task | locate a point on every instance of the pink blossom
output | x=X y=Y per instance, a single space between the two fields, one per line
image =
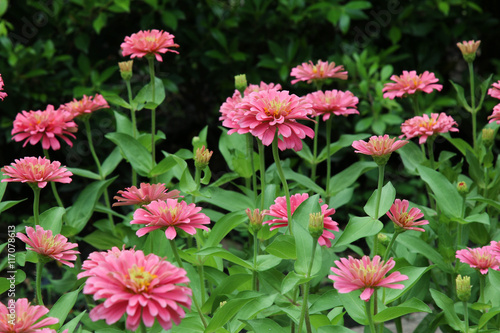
x=230 y=113
x=353 y=274
x=47 y=126
x=262 y=86
x=378 y=145
x=495 y=249
x=495 y=90
x=86 y=105
x=425 y=126
x=2 y=94
x=334 y=102
x=171 y=215
x=144 y=287
x=468 y=47
x=404 y=219
x=495 y=116
x=321 y=71
x=144 y=195
x=148 y=42
x=279 y=211
x=26 y=317
x=409 y=83
x=480 y=258
x=36 y=170
x=44 y=243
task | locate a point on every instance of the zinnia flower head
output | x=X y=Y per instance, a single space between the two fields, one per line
x=269 y=111
x=334 y=102
x=36 y=170
x=148 y=42
x=469 y=49
x=171 y=215
x=86 y=105
x=495 y=116
x=409 y=83
x=44 y=243
x=480 y=258
x=19 y=316
x=321 y=71
x=145 y=287
x=379 y=147
x=47 y=126
x=262 y=86
x=495 y=249
x=230 y=113
x=144 y=195
x=2 y=94
x=425 y=126
x=495 y=90
x=404 y=219
x=279 y=211
x=353 y=274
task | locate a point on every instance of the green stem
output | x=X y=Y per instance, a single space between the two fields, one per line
x=201 y=274
x=197 y=180
x=381 y=169
x=399 y=325
x=328 y=161
x=36 y=203
x=473 y=105
x=430 y=148
x=416 y=107
x=262 y=158
x=305 y=287
x=134 y=124
x=486 y=181
x=255 y=254
x=369 y=314
x=52 y=184
x=283 y=181
x=481 y=287
x=314 y=163
x=466 y=317
x=142 y=327
x=39 y=271
x=153 y=110
x=250 y=158
x=391 y=243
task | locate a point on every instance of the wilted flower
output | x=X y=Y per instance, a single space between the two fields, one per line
x=36 y=171
x=409 y=83
x=144 y=195
x=148 y=42
x=469 y=49
x=19 y=316
x=463 y=288
x=353 y=274
x=45 y=125
x=495 y=90
x=425 y=126
x=335 y=102
x=404 y=219
x=480 y=258
x=202 y=157
x=2 y=94
x=86 y=105
x=379 y=147
x=321 y=71
x=44 y=243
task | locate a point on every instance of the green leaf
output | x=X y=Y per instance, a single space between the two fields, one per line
x=19 y=277
x=134 y=151
x=3 y=7
x=305 y=153
x=345 y=140
x=224 y=254
x=386 y=200
x=226 y=287
x=265 y=325
x=487 y=316
x=64 y=305
x=349 y=176
x=485 y=85
x=354 y=306
x=116 y=100
x=266 y=261
x=461 y=96
x=446 y=304
x=476 y=171
x=292 y=280
x=417 y=245
x=358 y=227
x=84 y=173
x=412 y=156
x=250 y=310
x=71 y=325
x=414 y=275
x=51 y=219
x=410 y=306
x=145 y=95
x=483 y=218
x=123 y=4
x=123 y=124
x=463 y=146
x=111 y=162
x=100 y=22
x=334 y=329
x=283 y=246
x=7 y=204
x=344 y=22
x=102 y=240
x=303 y=180
x=223 y=226
x=228 y=200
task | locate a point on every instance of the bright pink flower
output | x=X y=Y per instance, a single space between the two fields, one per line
x=86 y=105
x=354 y=274
x=279 y=210
x=44 y=243
x=170 y=214
x=333 y=101
x=495 y=90
x=495 y=116
x=405 y=219
x=230 y=113
x=425 y=126
x=259 y=87
x=2 y=94
x=321 y=71
x=36 y=170
x=495 y=249
x=19 y=316
x=480 y=258
x=148 y=42
x=144 y=195
x=268 y=111
x=378 y=145
x=44 y=125
x=146 y=288
x=409 y=83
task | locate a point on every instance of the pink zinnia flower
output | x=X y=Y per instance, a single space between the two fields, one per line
x=230 y=113
x=409 y=83
x=44 y=243
x=480 y=258
x=170 y=215
x=146 y=288
x=147 y=43
x=378 y=146
x=86 y=105
x=268 y=111
x=333 y=101
x=404 y=219
x=2 y=94
x=495 y=116
x=495 y=249
x=425 y=126
x=321 y=71
x=19 y=316
x=495 y=90
x=36 y=170
x=353 y=274
x=279 y=210
x=44 y=125
x=144 y=195
x=259 y=87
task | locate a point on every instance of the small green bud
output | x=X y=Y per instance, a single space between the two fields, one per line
x=462 y=188
x=316 y=224
x=202 y=157
x=126 y=69
x=256 y=217
x=240 y=82
x=383 y=239
x=469 y=49
x=488 y=136
x=463 y=288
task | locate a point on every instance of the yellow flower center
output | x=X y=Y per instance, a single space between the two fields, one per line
x=174 y=211
x=277 y=109
x=140 y=278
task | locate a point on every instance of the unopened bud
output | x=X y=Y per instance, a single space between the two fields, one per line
x=240 y=82
x=202 y=157
x=383 y=239
x=463 y=288
x=469 y=49
x=256 y=217
x=462 y=188
x=488 y=136
x=316 y=224
x=126 y=69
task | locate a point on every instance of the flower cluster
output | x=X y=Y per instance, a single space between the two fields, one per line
x=409 y=83
x=425 y=126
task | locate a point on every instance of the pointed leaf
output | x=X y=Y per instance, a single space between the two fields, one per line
x=283 y=246
x=111 y=162
x=345 y=140
x=51 y=219
x=358 y=227
x=7 y=204
x=64 y=305
x=485 y=85
x=145 y=95
x=461 y=96
x=409 y=306
x=447 y=305
x=265 y=325
x=134 y=151
x=225 y=254
x=386 y=200
x=223 y=226
x=417 y=245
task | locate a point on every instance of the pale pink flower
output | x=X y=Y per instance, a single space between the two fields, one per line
x=425 y=126
x=269 y=111
x=322 y=70
x=44 y=243
x=409 y=83
x=495 y=249
x=480 y=258
x=144 y=195
x=144 y=287
x=170 y=214
x=495 y=116
x=97 y=257
x=378 y=145
x=2 y=94
x=37 y=170
x=468 y=47
x=19 y=316
x=148 y=42
x=47 y=126
x=86 y=105
x=495 y=90
x=259 y=87
x=353 y=274
x=335 y=102
x=279 y=211
x=405 y=219
x=230 y=113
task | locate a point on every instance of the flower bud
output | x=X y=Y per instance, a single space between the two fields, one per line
x=463 y=288
x=256 y=217
x=469 y=49
x=488 y=136
x=383 y=239
x=462 y=188
x=240 y=83
x=202 y=157
x=126 y=69
x=316 y=224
